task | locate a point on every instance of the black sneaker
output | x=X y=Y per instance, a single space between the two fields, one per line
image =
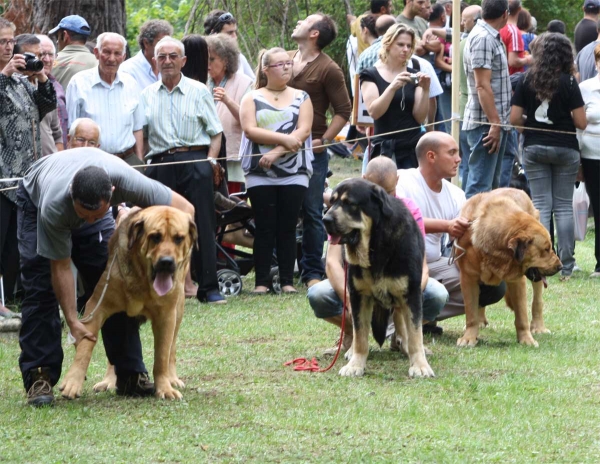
x=40 y=393
x=432 y=328
x=136 y=385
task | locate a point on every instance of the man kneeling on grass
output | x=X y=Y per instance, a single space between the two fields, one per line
x=326 y=298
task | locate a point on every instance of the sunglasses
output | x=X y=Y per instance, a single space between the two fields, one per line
x=225 y=17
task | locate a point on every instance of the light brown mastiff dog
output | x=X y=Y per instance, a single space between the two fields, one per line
x=506 y=242
x=149 y=257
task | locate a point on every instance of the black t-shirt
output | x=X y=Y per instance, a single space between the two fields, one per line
x=395 y=118
x=585 y=33
x=554 y=116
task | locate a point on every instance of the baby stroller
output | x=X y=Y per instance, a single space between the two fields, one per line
x=235 y=225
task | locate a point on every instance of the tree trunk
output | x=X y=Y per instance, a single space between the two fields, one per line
x=101 y=15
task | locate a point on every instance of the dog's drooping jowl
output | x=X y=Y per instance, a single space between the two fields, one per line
x=384 y=249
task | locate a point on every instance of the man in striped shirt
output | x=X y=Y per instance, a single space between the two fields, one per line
x=111 y=98
x=182 y=125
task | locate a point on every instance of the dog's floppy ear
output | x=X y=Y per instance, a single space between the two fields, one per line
x=519 y=245
x=382 y=199
x=194 y=234
x=135 y=232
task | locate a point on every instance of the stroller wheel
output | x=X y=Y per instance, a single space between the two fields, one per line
x=275 y=284
x=230 y=282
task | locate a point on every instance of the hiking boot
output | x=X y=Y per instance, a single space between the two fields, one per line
x=345 y=346
x=40 y=393
x=136 y=384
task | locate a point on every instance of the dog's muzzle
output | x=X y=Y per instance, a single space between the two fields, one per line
x=162 y=275
x=339 y=237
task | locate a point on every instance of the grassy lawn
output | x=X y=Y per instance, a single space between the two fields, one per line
x=497 y=402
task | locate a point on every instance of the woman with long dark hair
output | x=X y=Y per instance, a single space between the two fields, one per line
x=196 y=51
x=548 y=102
x=397 y=97
x=276 y=120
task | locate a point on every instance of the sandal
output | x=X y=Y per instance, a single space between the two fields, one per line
x=290 y=290
x=259 y=291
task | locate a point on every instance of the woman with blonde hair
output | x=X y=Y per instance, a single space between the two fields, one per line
x=276 y=151
x=397 y=97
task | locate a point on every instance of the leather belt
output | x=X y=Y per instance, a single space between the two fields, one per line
x=170 y=151
x=125 y=153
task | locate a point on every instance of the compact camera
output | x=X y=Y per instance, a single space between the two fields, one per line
x=414 y=78
x=32 y=63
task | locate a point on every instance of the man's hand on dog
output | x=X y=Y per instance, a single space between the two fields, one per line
x=458 y=226
x=80 y=331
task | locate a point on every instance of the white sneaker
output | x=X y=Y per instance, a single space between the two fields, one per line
x=345 y=346
x=595 y=275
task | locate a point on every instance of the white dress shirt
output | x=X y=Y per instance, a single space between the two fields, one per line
x=116 y=108
x=138 y=67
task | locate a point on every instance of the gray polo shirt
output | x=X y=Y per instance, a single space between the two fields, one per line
x=48 y=185
x=586 y=62
x=484 y=49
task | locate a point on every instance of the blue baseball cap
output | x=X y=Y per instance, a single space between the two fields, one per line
x=73 y=23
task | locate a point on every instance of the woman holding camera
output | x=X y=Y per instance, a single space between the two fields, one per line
x=397 y=97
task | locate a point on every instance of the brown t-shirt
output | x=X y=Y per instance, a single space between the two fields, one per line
x=323 y=80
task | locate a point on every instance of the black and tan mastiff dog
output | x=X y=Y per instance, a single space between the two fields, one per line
x=149 y=257
x=384 y=250
x=505 y=242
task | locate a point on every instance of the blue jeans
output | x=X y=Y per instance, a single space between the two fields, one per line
x=551 y=172
x=511 y=151
x=465 y=152
x=484 y=167
x=326 y=304
x=313 y=233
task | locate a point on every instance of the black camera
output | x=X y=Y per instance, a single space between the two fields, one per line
x=32 y=63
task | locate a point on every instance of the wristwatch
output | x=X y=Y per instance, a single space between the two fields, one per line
x=325 y=141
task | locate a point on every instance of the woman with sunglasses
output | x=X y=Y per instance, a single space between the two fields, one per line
x=276 y=120
x=396 y=97
x=223 y=22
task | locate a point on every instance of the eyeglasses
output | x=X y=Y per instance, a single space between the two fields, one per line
x=46 y=54
x=4 y=42
x=85 y=142
x=226 y=17
x=282 y=64
x=171 y=56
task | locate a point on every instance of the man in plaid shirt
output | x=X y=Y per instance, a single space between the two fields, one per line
x=486 y=67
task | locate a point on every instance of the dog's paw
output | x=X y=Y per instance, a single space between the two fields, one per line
x=352 y=371
x=348 y=354
x=539 y=329
x=483 y=323
x=176 y=382
x=108 y=383
x=527 y=339
x=71 y=387
x=466 y=341
x=168 y=394
x=421 y=370
x=427 y=351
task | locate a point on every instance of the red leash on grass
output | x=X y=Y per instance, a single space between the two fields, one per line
x=312 y=365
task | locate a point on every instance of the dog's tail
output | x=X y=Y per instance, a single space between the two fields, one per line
x=379 y=323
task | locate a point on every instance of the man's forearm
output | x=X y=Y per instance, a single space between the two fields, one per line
x=139 y=144
x=63 y=284
x=337 y=123
x=215 y=146
x=486 y=98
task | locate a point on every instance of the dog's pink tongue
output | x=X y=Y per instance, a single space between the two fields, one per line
x=335 y=239
x=544 y=281
x=163 y=282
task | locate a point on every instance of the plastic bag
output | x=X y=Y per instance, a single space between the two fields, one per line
x=581 y=205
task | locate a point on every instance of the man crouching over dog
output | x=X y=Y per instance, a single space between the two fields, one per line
x=326 y=298
x=58 y=195
x=440 y=203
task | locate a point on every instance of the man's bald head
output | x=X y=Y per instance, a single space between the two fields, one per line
x=383 y=172
x=84 y=132
x=469 y=17
x=431 y=141
x=383 y=23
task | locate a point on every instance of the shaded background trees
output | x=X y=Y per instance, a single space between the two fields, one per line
x=262 y=23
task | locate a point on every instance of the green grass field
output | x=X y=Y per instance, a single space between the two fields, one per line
x=497 y=402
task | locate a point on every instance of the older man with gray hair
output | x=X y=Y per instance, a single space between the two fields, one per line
x=183 y=126
x=111 y=98
x=141 y=66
